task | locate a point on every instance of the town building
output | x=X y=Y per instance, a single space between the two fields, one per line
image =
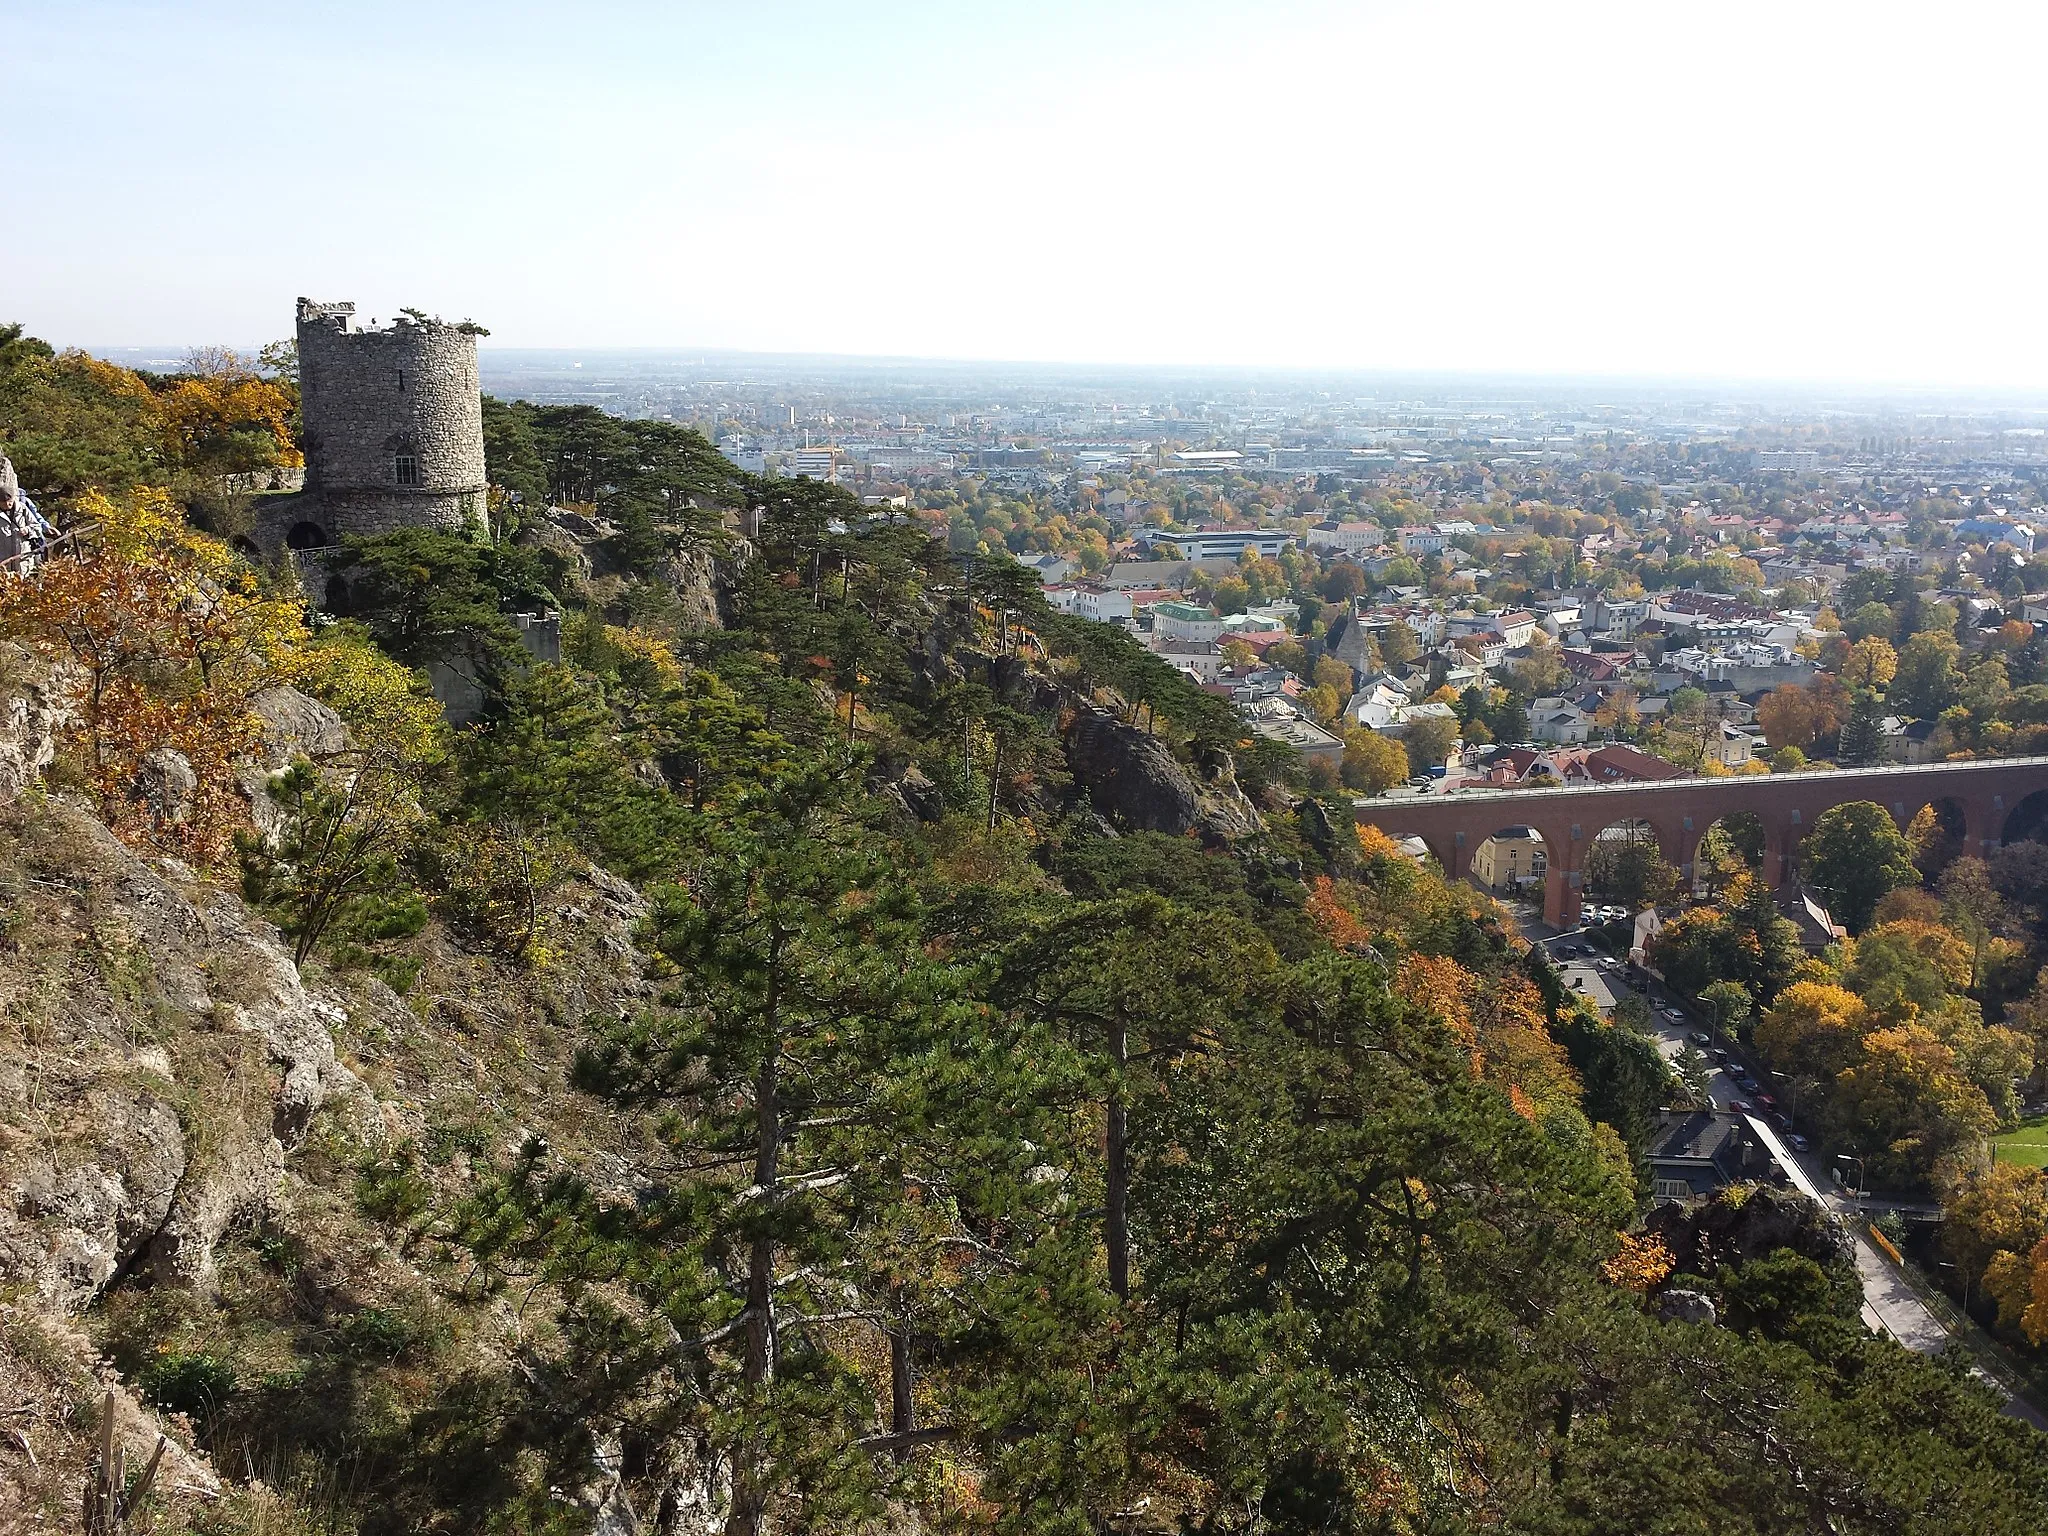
x=1510 y=861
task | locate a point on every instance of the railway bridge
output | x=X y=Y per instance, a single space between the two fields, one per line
x=1984 y=797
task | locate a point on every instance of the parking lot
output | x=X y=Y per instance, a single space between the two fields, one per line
x=1734 y=1080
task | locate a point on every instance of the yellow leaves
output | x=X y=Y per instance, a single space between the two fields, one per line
x=1941 y=947
x=387 y=707
x=1872 y=663
x=1814 y=1026
x=1439 y=985
x=1375 y=844
x=1640 y=1264
x=196 y=417
x=104 y=377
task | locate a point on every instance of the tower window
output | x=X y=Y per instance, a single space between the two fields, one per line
x=401 y=381
x=408 y=469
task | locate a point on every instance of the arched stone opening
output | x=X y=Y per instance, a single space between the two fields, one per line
x=1731 y=845
x=1624 y=869
x=245 y=546
x=1510 y=864
x=1938 y=829
x=2026 y=822
x=306 y=535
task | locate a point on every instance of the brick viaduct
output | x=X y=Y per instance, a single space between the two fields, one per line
x=1679 y=811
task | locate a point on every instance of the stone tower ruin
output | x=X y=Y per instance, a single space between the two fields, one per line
x=394 y=433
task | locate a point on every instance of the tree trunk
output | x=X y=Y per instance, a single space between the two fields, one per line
x=1116 y=1228
x=902 y=1407
x=749 y=1496
x=761 y=1254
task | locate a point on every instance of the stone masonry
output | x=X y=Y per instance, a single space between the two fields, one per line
x=393 y=430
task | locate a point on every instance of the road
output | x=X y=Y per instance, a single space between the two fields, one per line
x=1889 y=1305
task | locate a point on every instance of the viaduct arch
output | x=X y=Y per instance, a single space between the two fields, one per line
x=1679 y=811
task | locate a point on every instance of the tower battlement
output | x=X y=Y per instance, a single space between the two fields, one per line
x=394 y=432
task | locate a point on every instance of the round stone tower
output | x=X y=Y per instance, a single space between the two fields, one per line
x=394 y=430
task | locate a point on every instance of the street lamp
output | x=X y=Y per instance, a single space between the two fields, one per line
x=1844 y=1157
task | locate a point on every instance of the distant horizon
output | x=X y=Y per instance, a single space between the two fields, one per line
x=1720 y=386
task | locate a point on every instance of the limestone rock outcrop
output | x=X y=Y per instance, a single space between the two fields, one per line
x=168 y=1057
x=1133 y=779
x=1746 y=1222
x=35 y=705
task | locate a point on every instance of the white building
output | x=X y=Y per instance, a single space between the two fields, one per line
x=1558 y=720
x=1200 y=659
x=1346 y=538
x=1104 y=605
x=1220 y=543
x=1049 y=568
x=1184 y=621
x=1793 y=461
x=814 y=463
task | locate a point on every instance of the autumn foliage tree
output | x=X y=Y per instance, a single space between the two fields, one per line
x=162 y=636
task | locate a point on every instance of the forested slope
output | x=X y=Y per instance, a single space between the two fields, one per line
x=844 y=1049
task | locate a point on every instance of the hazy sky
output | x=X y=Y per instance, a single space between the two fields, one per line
x=1790 y=189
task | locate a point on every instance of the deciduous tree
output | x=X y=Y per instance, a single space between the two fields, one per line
x=1856 y=854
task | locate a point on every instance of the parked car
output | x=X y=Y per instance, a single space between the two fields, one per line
x=1676 y=1015
x=1749 y=1084
x=1719 y=1055
x=1739 y=1107
x=1640 y=985
x=1798 y=1143
x=1767 y=1101
x=1700 y=1037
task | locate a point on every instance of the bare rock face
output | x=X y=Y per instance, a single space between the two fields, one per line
x=1687 y=1307
x=1134 y=780
x=1749 y=1221
x=178 y=1047
x=696 y=578
x=295 y=726
x=98 y=1216
x=166 y=786
x=35 y=705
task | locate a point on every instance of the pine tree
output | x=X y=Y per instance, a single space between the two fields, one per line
x=1863 y=733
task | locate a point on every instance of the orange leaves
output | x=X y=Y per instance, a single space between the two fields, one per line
x=1641 y=1264
x=1441 y=986
x=1516 y=1048
x=164 y=636
x=1335 y=917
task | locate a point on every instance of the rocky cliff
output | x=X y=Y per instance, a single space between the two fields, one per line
x=1133 y=779
x=180 y=1107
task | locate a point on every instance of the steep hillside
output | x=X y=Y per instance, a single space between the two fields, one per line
x=841 y=1048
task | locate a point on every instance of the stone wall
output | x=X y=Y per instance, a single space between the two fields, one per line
x=370 y=396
